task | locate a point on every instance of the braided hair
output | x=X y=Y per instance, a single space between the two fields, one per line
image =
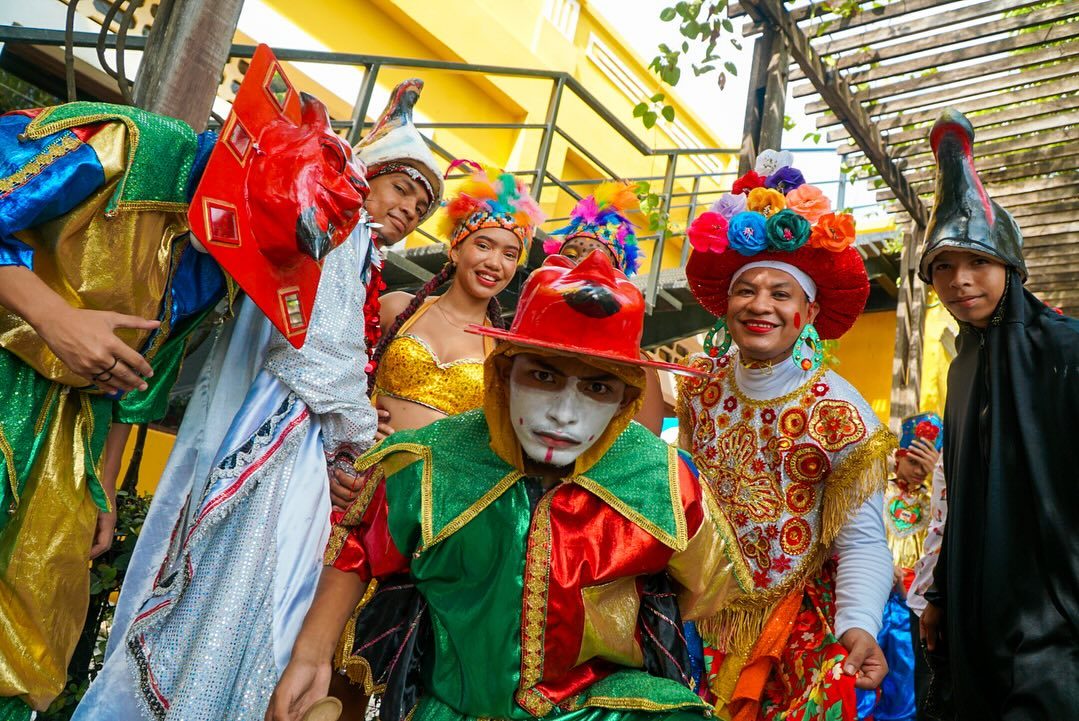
x=443 y=276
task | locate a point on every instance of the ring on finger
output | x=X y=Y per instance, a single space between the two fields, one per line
x=103 y=377
x=97 y=377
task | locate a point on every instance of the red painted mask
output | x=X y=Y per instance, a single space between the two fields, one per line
x=280 y=191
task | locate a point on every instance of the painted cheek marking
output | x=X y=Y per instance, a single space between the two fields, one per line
x=797 y=320
x=549 y=456
x=591 y=437
x=520 y=421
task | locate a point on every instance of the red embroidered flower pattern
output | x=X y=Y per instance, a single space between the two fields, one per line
x=758 y=465
x=761 y=580
x=724 y=361
x=836 y=424
x=795 y=537
x=741 y=519
x=768 y=415
x=772 y=531
x=730 y=404
x=710 y=395
x=806 y=463
x=781 y=564
x=819 y=389
x=793 y=422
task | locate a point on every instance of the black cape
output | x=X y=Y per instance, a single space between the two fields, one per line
x=1008 y=574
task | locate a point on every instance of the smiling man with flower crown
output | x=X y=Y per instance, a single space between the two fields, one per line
x=794 y=455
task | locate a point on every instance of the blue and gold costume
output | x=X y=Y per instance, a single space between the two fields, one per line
x=93 y=199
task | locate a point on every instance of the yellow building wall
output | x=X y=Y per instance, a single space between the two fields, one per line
x=865 y=359
x=510 y=34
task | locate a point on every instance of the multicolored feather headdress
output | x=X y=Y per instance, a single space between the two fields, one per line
x=490 y=198
x=604 y=216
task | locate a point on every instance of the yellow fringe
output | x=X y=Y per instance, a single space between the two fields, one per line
x=356 y=668
x=862 y=473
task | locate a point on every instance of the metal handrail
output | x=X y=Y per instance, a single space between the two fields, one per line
x=540 y=174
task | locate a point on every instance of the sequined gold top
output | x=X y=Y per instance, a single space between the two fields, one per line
x=410 y=370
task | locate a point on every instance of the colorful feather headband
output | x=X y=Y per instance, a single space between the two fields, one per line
x=604 y=217
x=490 y=198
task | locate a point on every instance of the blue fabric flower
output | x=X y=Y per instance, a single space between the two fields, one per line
x=785 y=179
x=746 y=233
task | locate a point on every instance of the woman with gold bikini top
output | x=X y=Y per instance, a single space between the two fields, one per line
x=426 y=365
x=416 y=386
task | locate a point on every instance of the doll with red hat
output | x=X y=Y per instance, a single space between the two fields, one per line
x=795 y=456
x=527 y=540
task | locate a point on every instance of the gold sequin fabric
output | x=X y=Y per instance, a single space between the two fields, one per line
x=410 y=370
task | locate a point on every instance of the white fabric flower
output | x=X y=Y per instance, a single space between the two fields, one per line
x=769 y=161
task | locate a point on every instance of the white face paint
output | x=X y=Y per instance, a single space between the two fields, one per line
x=555 y=418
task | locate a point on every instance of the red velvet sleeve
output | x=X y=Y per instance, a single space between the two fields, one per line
x=360 y=541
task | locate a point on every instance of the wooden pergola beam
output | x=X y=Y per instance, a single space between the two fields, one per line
x=973 y=71
x=1045 y=16
x=839 y=97
x=994 y=84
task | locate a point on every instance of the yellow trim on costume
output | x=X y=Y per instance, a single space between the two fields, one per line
x=534 y=601
x=356 y=668
x=474 y=510
x=48 y=155
x=38 y=128
x=631 y=704
x=46 y=406
x=680 y=540
x=9 y=460
x=774 y=402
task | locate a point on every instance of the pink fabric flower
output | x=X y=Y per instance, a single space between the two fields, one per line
x=809 y=202
x=708 y=233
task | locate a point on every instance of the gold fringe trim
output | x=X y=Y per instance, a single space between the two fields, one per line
x=631 y=704
x=862 y=473
x=356 y=668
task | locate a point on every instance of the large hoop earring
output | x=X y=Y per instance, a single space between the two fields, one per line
x=717 y=341
x=808 y=352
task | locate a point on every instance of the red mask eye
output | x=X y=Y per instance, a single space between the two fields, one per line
x=334 y=155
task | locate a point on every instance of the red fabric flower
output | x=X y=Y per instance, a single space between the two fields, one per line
x=926 y=430
x=833 y=232
x=748 y=182
x=708 y=233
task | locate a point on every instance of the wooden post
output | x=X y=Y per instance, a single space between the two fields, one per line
x=909 y=322
x=763 y=126
x=187 y=49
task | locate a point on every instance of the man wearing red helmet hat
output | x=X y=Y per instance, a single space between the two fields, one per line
x=540 y=549
x=795 y=456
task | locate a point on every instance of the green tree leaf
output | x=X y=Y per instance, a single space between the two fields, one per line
x=668 y=113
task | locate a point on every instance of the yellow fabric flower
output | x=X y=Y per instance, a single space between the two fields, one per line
x=766 y=201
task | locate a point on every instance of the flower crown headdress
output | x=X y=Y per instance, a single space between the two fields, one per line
x=490 y=198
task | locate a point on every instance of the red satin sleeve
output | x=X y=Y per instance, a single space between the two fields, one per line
x=360 y=541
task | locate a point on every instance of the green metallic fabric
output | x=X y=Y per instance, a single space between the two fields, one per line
x=25 y=414
x=472 y=582
x=460 y=448
x=14 y=709
x=161 y=150
x=152 y=404
x=471 y=570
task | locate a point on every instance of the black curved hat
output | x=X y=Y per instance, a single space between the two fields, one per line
x=964 y=217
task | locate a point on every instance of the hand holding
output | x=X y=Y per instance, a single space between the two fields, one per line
x=865 y=659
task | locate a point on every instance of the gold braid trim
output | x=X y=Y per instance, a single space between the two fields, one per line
x=356 y=668
x=9 y=460
x=39 y=127
x=630 y=704
x=46 y=407
x=48 y=155
x=861 y=474
x=353 y=514
x=475 y=509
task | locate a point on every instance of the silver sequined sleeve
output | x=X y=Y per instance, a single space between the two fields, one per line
x=327 y=373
